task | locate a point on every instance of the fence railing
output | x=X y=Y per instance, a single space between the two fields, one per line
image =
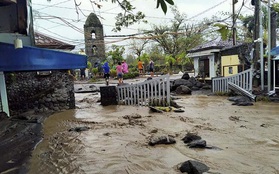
x=153 y=92
x=243 y=80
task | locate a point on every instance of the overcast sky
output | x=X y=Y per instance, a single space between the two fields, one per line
x=59 y=19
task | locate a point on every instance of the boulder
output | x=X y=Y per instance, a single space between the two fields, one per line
x=183 y=90
x=193 y=167
x=179 y=82
x=185 y=76
x=197 y=144
x=240 y=101
x=189 y=137
x=161 y=140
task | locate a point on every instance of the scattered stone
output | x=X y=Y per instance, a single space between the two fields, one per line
x=264 y=125
x=182 y=89
x=197 y=144
x=135 y=116
x=154 y=131
x=234 y=118
x=190 y=137
x=106 y=134
x=174 y=104
x=193 y=167
x=178 y=110
x=240 y=101
x=161 y=140
x=79 y=129
x=244 y=104
x=185 y=76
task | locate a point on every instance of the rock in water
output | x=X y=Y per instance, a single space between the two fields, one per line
x=79 y=129
x=197 y=144
x=189 y=137
x=193 y=167
x=161 y=140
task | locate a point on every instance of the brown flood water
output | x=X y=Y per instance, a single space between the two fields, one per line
x=248 y=137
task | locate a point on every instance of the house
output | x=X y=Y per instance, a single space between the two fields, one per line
x=220 y=58
x=235 y=59
x=206 y=57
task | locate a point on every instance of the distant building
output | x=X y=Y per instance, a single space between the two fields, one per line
x=44 y=41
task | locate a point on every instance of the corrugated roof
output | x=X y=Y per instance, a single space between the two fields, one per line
x=44 y=41
x=213 y=44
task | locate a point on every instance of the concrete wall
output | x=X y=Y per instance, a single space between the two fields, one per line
x=229 y=65
x=30 y=91
x=196 y=66
x=212 y=70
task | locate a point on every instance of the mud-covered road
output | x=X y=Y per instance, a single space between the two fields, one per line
x=117 y=139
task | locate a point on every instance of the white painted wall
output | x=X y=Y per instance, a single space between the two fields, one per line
x=196 y=66
x=212 y=70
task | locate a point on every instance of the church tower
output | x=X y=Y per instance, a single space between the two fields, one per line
x=94 y=39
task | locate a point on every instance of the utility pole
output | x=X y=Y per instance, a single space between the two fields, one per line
x=233 y=20
x=256 y=44
x=269 y=48
x=261 y=46
x=273 y=43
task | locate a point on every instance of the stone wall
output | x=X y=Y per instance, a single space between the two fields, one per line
x=41 y=93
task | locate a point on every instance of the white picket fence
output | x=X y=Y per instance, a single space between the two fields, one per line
x=153 y=92
x=243 y=80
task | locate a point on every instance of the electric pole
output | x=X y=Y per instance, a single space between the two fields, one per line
x=256 y=37
x=269 y=48
x=233 y=20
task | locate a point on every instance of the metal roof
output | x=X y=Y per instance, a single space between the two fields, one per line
x=217 y=43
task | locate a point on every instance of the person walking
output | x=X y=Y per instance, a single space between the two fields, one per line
x=151 y=68
x=82 y=74
x=119 y=71
x=106 y=70
x=140 y=67
x=125 y=67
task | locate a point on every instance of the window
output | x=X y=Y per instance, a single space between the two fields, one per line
x=230 y=70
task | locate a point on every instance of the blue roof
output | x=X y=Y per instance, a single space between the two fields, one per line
x=36 y=59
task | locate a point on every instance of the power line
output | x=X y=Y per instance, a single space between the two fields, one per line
x=104 y=12
x=54 y=5
x=206 y=10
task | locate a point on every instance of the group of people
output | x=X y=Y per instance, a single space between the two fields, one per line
x=123 y=68
x=150 y=67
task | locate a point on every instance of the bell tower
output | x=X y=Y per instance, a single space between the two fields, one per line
x=94 y=39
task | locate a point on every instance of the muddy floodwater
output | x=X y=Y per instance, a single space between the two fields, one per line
x=246 y=138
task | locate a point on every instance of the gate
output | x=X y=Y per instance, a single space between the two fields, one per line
x=153 y=92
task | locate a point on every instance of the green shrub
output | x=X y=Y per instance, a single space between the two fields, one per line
x=130 y=75
x=95 y=71
x=113 y=73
